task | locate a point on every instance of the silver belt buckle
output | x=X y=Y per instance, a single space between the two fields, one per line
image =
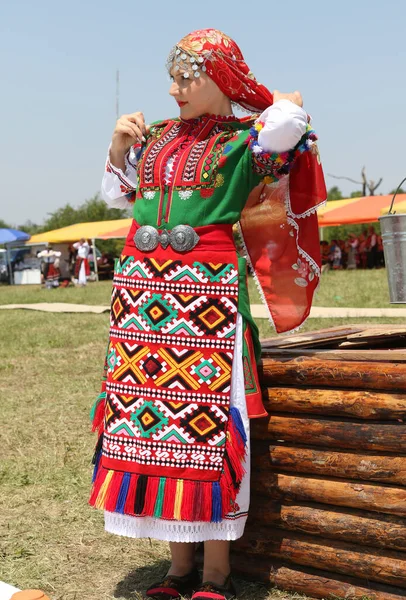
x=146 y=238
x=182 y=238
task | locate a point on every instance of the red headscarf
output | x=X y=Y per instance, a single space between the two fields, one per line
x=225 y=64
x=279 y=223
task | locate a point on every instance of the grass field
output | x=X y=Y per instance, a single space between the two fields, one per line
x=49 y=375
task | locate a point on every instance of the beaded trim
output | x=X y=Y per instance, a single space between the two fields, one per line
x=192 y=64
x=280 y=163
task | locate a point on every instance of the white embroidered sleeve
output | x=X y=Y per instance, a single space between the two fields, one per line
x=118 y=188
x=284 y=125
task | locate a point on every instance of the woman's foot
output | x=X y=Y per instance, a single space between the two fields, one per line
x=172 y=587
x=213 y=591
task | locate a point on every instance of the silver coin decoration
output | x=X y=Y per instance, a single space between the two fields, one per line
x=146 y=238
x=182 y=238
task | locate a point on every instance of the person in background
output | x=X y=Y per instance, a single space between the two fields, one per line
x=50 y=267
x=335 y=255
x=380 y=254
x=105 y=266
x=82 y=267
x=352 y=247
x=372 y=248
x=362 y=249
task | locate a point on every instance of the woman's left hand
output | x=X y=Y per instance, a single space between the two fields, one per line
x=295 y=97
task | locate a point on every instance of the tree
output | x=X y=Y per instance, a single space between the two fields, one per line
x=4 y=225
x=334 y=193
x=94 y=209
x=401 y=191
x=371 y=185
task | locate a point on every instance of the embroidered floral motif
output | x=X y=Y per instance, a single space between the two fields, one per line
x=149 y=194
x=306 y=272
x=206 y=192
x=219 y=180
x=126 y=189
x=185 y=194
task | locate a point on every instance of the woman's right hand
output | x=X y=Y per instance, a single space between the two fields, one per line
x=129 y=130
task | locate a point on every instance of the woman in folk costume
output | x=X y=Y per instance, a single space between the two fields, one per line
x=82 y=267
x=180 y=385
x=50 y=259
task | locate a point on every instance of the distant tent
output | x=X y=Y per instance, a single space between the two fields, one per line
x=8 y=237
x=89 y=231
x=366 y=209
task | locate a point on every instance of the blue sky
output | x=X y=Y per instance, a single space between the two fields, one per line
x=58 y=83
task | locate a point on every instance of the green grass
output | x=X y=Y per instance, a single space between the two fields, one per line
x=50 y=371
x=49 y=375
x=337 y=288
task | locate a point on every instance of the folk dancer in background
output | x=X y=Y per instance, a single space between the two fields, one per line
x=50 y=267
x=82 y=267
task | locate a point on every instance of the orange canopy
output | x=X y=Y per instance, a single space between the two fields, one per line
x=357 y=210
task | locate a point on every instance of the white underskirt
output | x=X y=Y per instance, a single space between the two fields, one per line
x=232 y=526
x=82 y=280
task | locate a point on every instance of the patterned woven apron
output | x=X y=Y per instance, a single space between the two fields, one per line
x=170 y=446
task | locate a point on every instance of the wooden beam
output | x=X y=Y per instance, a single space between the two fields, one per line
x=342 y=524
x=345 y=465
x=314 y=372
x=318 y=431
x=361 y=404
x=366 y=496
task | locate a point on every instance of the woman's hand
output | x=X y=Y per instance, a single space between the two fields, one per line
x=129 y=130
x=295 y=97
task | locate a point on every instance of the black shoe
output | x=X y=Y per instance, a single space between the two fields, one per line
x=212 y=591
x=173 y=587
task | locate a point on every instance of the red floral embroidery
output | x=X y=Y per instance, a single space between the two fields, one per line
x=207 y=192
x=222 y=162
x=125 y=189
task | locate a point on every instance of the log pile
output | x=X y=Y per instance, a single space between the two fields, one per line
x=328 y=504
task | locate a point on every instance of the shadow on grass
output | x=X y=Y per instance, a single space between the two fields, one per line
x=138 y=580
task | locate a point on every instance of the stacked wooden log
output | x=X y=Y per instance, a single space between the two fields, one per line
x=328 y=507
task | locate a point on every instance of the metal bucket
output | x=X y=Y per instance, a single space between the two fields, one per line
x=393 y=230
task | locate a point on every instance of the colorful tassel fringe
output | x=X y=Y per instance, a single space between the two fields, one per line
x=168 y=498
x=278 y=164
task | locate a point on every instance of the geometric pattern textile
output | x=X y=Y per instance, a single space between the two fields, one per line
x=168 y=436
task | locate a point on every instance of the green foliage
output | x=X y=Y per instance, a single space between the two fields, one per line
x=31 y=228
x=401 y=191
x=94 y=209
x=334 y=193
x=4 y=225
x=341 y=232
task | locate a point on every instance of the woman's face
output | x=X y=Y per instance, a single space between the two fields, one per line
x=197 y=96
